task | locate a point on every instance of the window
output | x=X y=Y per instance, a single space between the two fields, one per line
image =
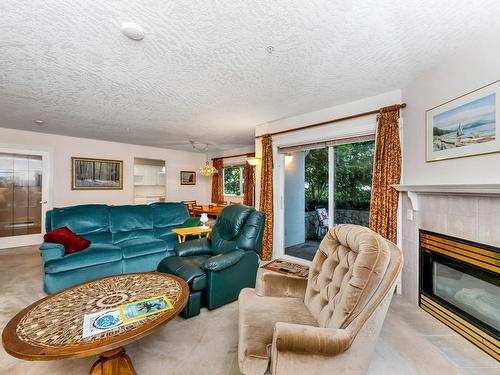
x=233 y=180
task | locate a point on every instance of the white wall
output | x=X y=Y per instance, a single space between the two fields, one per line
x=295 y=229
x=62 y=148
x=468 y=70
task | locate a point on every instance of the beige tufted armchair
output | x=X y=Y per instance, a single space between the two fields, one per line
x=329 y=323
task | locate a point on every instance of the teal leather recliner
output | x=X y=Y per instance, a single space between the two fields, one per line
x=217 y=268
x=123 y=239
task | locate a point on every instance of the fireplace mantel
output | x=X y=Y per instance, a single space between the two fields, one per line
x=492 y=190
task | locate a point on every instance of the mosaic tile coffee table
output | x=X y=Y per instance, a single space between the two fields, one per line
x=52 y=327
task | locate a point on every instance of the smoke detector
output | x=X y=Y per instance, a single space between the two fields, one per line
x=132 y=31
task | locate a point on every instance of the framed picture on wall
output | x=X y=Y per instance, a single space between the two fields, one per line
x=96 y=174
x=464 y=126
x=188 y=178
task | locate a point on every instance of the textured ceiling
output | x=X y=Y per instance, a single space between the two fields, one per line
x=202 y=71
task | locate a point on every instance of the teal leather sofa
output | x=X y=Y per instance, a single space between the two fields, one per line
x=123 y=239
x=217 y=268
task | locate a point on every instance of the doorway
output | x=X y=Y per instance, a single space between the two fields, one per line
x=149 y=181
x=324 y=186
x=24 y=187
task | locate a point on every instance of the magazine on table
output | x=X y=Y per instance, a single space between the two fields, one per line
x=106 y=320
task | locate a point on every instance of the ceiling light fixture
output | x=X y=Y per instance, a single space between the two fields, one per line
x=132 y=31
x=206 y=170
x=39 y=122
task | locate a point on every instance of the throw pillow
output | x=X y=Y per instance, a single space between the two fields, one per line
x=71 y=241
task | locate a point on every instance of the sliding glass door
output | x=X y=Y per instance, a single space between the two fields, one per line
x=325 y=186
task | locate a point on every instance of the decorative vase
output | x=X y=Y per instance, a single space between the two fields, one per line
x=203 y=220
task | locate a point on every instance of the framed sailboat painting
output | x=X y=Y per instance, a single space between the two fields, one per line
x=464 y=126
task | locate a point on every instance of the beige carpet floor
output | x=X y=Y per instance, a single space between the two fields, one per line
x=411 y=341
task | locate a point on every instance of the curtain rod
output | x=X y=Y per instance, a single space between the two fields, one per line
x=235 y=156
x=402 y=105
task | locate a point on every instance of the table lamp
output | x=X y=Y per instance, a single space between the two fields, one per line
x=203 y=220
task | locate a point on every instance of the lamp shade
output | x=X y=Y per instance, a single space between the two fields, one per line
x=252 y=160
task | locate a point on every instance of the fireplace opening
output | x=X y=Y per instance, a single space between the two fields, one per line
x=460 y=286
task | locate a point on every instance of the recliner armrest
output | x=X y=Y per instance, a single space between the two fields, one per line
x=200 y=246
x=273 y=284
x=305 y=339
x=51 y=251
x=222 y=261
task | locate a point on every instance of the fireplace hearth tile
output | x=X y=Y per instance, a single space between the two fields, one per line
x=489 y=229
x=463 y=206
x=433 y=221
x=489 y=206
x=458 y=349
x=462 y=226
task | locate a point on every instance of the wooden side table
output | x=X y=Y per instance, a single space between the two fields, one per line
x=195 y=231
x=52 y=328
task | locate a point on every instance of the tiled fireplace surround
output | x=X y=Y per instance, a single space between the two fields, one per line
x=474 y=218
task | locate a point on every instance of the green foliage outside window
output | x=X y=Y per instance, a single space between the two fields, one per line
x=353 y=165
x=233 y=180
x=353 y=175
x=316 y=178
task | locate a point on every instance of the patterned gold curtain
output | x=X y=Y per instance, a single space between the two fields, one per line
x=249 y=184
x=386 y=172
x=217 y=189
x=266 y=196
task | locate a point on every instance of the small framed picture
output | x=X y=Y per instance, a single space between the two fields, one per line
x=188 y=178
x=464 y=126
x=96 y=174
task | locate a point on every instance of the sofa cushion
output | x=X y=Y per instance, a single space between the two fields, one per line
x=83 y=219
x=71 y=241
x=101 y=238
x=165 y=234
x=142 y=246
x=187 y=268
x=93 y=255
x=129 y=222
x=169 y=214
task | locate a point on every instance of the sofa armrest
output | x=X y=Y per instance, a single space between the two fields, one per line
x=302 y=339
x=222 y=261
x=191 y=222
x=200 y=246
x=273 y=284
x=51 y=251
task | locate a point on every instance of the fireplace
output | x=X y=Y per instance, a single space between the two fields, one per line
x=460 y=286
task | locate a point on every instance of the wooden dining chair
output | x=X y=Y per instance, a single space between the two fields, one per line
x=190 y=205
x=197 y=210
